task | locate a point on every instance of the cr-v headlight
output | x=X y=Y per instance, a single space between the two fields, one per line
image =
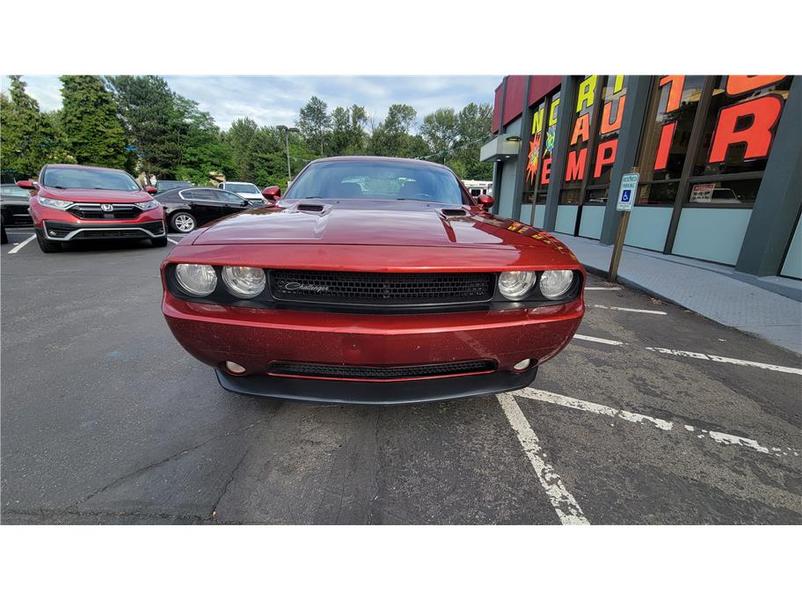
x=515 y=285
x=554 y=284
x=53 y=203
x=244 y=282
x=148 y=205
x=196 y=280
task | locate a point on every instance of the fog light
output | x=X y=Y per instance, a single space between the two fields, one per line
x=524 y=364
x=234 y=368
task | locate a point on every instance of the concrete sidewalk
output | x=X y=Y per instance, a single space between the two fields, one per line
x=714 y=291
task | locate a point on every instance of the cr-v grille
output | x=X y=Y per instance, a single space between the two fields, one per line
x=312 y=370
x=95 y=211
x=381 y=289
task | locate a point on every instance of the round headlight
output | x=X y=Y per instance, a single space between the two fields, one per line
x=197 y=280
x=244 y=282
x=514 y=285
x=554 y=284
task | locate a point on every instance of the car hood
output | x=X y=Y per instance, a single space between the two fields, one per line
x=249 y=196
x=105 y=196
x=374 y=223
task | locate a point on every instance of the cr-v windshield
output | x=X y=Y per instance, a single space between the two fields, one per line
x=88 y=179
x=350 y=179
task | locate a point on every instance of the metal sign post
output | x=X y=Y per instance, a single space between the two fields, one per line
x=626 y=198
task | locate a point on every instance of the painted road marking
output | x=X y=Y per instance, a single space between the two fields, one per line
x=561 y=499
x=171 y=240
x=724 y=359
x=726 y=439
x=699 y=355
x=588 y=338
x=599 y=289
x=635 y=310
x=19 y=246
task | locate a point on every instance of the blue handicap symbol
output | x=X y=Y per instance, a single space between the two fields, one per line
x=625 y=195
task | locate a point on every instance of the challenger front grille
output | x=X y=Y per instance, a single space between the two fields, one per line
x=312 y=370
x=381 y=289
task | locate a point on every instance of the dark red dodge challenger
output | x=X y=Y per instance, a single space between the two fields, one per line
x=375 y=281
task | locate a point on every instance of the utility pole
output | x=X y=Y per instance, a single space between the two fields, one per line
x=287 y=131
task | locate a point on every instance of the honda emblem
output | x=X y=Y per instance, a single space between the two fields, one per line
x=107 y=207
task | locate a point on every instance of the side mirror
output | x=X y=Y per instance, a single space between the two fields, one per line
x=486 y=201
x=272 y=193
x=151 y=190
x=27 y=184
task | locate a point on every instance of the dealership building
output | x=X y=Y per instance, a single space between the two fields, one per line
x=719 y=160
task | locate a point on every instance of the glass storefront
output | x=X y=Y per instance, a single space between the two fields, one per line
x=704 y=143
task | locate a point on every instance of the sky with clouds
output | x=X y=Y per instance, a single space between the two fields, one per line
x=270 y=100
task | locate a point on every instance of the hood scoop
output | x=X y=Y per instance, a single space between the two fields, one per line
x=310 y=207
x=453 y=212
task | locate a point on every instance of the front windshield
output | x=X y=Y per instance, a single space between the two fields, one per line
x=242 y=188
x=376 y=180
x=88 y=179
x=13 y=190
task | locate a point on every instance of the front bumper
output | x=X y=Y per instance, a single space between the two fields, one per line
x=256 y=337
x=62 y=231
x=377 y=393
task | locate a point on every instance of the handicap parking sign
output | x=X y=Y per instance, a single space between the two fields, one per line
x=629 y=184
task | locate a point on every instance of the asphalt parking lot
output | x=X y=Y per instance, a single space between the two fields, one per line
x=651 y=415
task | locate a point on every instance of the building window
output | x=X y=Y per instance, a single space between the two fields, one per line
x=576 y=159
x=664 y=143
x=614 y=101
x=541 y=149
x=738 y=133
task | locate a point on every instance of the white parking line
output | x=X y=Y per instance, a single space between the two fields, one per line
x=561 y=499
x=588 y=338
x=635 y=310
x=19 y=246
x=171 y=240
x=724 y=359
x=720 y=437
x=599 y=289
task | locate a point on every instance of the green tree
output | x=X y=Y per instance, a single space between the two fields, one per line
x=315 y=123
x=27 y=140
x=154 y=121
x=473 y=129
x=348 y=130
x=392 y=137
x=93 y=131
x=440 y=131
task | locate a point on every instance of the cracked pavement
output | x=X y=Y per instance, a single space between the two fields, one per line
x=106 y=419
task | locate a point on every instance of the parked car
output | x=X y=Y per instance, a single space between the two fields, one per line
x=3 y=234
x=189 y=208
x=74 y=202
x=373 y=280
x=245 y=190
x=14 y=204
x=163 y=185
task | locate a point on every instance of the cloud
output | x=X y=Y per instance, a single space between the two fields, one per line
x=272 y=100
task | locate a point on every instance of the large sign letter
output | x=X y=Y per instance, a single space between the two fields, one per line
x=605 y=156
x=763 y=113
x=575 y=164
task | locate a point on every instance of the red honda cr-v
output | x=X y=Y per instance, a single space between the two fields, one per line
x=74 y=202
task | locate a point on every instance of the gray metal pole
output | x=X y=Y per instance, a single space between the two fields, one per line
x=287 y=142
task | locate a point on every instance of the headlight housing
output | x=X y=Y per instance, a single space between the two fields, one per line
x=555 y=283
x=53 y=203
x=244 y=282
x=196 y=280
x=149 y=205
x=515 y=285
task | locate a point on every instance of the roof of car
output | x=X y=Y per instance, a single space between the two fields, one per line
x=74 y=166
x=392 y=159
x=238 y=182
